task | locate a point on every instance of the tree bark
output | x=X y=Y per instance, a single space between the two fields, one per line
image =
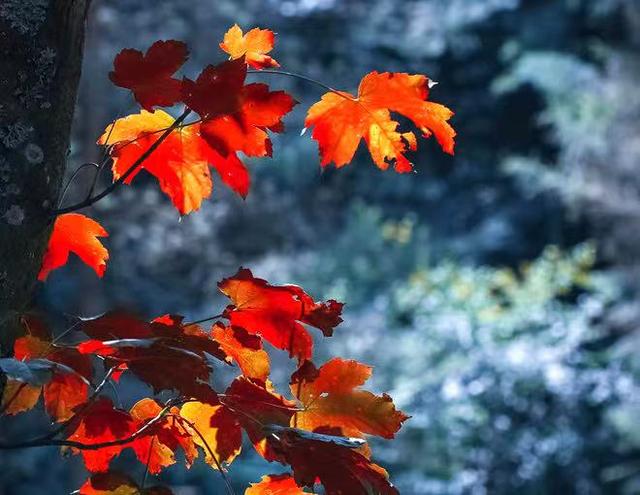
x=41 y=44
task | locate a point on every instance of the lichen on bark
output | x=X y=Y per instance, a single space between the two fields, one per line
x=41 y=52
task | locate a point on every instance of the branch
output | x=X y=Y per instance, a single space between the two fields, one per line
x=45 y=441
x=94 y=199
x=77 y=416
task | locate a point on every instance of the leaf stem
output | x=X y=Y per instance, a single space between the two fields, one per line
x=225 y=478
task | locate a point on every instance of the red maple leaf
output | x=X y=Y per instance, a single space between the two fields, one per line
x=339 y=468
x=217 y=89
x=101 y=423
x=245 y=129
x=256 y=405
x=149 y=349
x=149 y=76
x=278 y=312
x=78 y=234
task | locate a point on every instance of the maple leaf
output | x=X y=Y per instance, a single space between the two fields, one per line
x=275 y=484
x=244 y=348
x=180 y=163
x=278 y=312
x=113 y=483
x=78 y=234
x=216 y=91
x=341 y=120
x=215 y=429
x=254 y=46
x=257 y=405
x=149 y=76
x=245 y=129
x=331 y=398
x=332 y=460
x=240 y=120
x=68 y=384
x=157 y=447
x=102 y=422
x=149 y=349
x=18 y=397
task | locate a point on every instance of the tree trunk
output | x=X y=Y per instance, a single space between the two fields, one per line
x=41 y=51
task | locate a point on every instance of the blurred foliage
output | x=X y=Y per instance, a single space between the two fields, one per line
x=510 y=377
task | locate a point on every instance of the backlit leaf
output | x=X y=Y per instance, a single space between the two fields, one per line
x=341 y=120
x=149 y=76
x=78 y=234
x=254 y=46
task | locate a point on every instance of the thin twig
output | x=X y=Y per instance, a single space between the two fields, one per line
x=225 y=478
x=94 y=199
x=78 y=414
x=49 y=442
x=296 y=76
x=204 y=320
x=146 y=467
x=72 y=178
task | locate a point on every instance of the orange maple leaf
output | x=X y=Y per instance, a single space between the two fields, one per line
x=331 y=398
x=19 y=397
x=215 y=429
x=245 y=349
x=157 y=447
x=275 y=484
x=341 y=120
x=254 y=46
x=180 y=163
x=75 y=233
